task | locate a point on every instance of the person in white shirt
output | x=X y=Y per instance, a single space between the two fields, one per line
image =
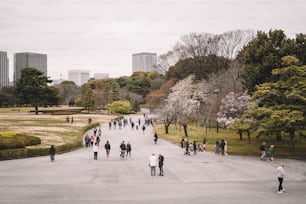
x=280 y=175
x=95 y=149
x=153 y=164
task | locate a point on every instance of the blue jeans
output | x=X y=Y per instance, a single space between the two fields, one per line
x=153 y=170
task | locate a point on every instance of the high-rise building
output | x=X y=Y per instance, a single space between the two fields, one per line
x=144 y=62
x=4 y=69
x=79 y=77
x=28 y=59
x=101 y=75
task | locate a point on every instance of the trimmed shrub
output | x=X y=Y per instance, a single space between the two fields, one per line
x=17 y=141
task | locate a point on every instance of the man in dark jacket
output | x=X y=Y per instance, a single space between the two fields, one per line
x=52 y=153
x=107 y=147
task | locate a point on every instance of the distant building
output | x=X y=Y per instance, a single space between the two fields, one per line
x=4 y=69
x=144 y=62
x=101 y=75
x=28 y=59
x=79 y=77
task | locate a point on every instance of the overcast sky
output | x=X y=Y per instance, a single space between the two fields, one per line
x=101 y=35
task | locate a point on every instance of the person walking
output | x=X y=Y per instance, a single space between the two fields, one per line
x=128 y=149
x=143 y=129
x=195 y=148
x=280 y=176
x=155 y=137
x=95 y=149
x=271 y=152
x=217 y=148
x=222 y=145
x=153 y=164
x=161 y=164
x=182 y=143
x=52 y=153
x=107 y=147
x=122 y=150
x=87 y=140
x=262 y=149
x=187 y=152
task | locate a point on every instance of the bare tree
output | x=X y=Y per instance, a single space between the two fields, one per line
x=230 y=43
x=195 y=45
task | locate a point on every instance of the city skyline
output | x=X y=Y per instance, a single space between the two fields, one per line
x=101 y=35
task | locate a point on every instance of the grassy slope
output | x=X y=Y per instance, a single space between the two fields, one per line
x=235 y=145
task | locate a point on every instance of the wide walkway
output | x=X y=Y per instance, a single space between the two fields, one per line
x=76 y=178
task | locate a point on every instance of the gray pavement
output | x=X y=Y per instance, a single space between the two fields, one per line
x=205 y=178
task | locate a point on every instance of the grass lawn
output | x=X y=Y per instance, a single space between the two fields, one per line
x=28 y=109
x=51 y=129
x=235 y=145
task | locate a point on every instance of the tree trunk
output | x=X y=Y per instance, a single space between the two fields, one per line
x=249 y=136
x=292 y=132
x=240 y=134
x=167 y=128
x=36 y=109
x=217 y=127
x=185 y=130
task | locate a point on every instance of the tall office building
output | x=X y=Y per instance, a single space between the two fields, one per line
x=144 y=62
x=79 y=77
x=4 y=69
x=28 y=59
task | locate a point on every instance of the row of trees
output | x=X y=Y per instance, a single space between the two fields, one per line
x=269 y=68
x=33 y=88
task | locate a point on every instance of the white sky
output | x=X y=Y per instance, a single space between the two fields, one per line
x=101 y=35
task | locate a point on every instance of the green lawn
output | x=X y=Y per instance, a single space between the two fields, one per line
x=235 y=145
x=28 y=109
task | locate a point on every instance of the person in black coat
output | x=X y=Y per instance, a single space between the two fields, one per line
x=161 y=164
x=52 y=153
x=155 y=137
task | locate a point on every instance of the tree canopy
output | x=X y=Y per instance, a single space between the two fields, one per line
x=119 y=107
x=279 y=106
x=32 y=88
x=264 y=53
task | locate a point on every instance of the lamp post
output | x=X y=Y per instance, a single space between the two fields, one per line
x=216 y=91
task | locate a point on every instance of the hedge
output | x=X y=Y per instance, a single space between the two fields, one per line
x=18 y=153
x=18 y=141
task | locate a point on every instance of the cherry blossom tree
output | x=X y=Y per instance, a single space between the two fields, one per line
x=185 y=100
x=232 y=107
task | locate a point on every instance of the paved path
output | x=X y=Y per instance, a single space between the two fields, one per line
x=76 y=178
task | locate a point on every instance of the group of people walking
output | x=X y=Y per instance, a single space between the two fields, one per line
x=262 y=149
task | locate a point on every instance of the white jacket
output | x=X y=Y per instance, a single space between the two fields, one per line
x=153 y=160
x=280 y=172
x=95 y=148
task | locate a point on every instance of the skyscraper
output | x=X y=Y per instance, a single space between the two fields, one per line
x=79 y=77
x=144 y=62
x=28 y=59
x=4 y=69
